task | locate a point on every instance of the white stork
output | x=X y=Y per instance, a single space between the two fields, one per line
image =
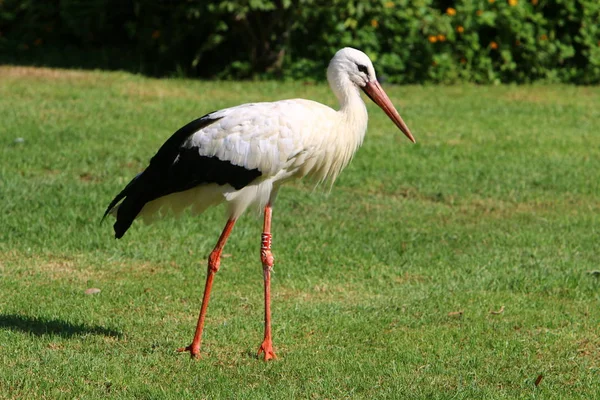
x=242 y=155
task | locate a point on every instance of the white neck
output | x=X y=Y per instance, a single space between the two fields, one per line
x=352 y=108
x=352 y=123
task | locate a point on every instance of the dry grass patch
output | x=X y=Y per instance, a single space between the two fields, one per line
x=159 y=90
x=75 y=268
x=326 y=293
x=408 y=278
x=589 y=348
x=499 y=209
x=222 y=93
x=8 y=71
x=552 y=95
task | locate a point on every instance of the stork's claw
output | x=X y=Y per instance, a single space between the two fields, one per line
x=267 y=348
x=194 y=351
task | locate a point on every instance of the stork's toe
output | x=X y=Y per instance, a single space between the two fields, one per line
x=194 y=351
x=267 y=348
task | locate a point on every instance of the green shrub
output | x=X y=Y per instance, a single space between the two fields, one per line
x=446 y=41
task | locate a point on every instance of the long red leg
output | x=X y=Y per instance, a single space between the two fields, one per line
x=214 y=260
x=267 y=261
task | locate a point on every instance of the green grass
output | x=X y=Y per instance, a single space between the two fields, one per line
x=496 y=206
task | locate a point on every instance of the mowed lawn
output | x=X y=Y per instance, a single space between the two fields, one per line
x=465 y=266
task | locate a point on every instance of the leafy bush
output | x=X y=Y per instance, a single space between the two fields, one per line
x=445 y=41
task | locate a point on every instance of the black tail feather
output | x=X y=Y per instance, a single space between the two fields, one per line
x=129 y=209
x=114 y=202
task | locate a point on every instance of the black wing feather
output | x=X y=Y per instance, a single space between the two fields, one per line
x=175 y=168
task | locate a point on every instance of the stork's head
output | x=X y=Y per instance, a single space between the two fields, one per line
x=351 y=68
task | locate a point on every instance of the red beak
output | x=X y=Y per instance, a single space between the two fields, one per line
x=379 y=97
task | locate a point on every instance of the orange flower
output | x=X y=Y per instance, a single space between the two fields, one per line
x=450 y=11
x=374 y=23
x=432 y=38
x=460 y=29
x=479 y=12
x=441 y=38
x=513 y=3
x=534 y=2
x=493 y=45
x=389 y=4
x=544 y=37
x=156 y=34
x=491 y=1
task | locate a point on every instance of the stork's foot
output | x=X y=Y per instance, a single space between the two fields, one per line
x=267 y=348
x=194 y=351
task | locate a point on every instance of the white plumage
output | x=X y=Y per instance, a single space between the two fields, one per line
x=241 y=155
x=284 y=139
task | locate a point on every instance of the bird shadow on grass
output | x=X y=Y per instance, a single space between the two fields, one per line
x=40 y=326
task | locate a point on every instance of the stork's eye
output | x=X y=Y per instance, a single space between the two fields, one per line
x=362 y=68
